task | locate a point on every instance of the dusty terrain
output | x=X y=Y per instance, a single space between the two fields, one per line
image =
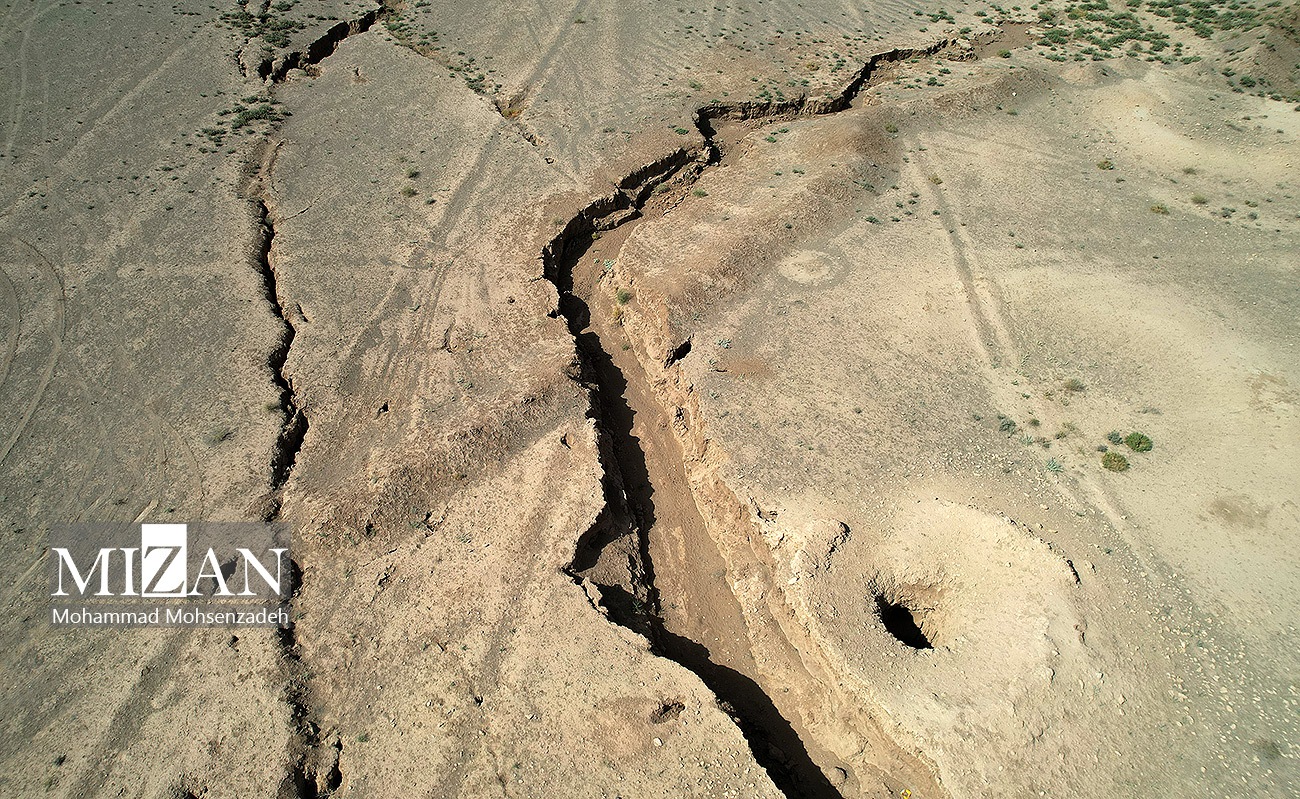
x=668 y=400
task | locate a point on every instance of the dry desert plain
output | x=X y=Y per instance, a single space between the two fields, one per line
x=741 y=398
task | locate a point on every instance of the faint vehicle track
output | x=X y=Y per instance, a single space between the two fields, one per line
x=57 y=336
x=988 y=310
x=14 y=318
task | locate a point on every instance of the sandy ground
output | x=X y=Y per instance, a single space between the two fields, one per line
x=667 y=401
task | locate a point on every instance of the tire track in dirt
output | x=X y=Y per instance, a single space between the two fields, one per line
x=56 y=347
x=14 y=318
x=125 y=725
x=987 y=310
x=20 y=62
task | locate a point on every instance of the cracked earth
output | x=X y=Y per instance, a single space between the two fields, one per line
x=714 y=400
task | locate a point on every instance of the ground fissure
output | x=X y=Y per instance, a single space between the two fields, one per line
x=650 y=488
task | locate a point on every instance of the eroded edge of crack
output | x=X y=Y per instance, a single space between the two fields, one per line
x=277 y=67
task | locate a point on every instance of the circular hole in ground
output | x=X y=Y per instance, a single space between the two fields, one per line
x=902 y=623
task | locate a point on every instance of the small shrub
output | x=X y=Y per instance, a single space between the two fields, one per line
x=412 y=173
x=219 y=435
x=264 y=112
x=1053 y=465
x=1105 y=164
x=1004 y=54
x=1115 y=462
x=1160 y=208
x=408 y=191
x=1138 y=442
x=891 y=128
x=1199 y=199
x=700 y=193
x=1074 y=385
x=1115 y=437
x=623 y=296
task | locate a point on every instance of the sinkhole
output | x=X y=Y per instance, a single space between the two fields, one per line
x=902 y=623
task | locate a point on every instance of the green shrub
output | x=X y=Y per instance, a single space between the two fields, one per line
x=623 y=296
x=265 y=111
x=1113 y=461
x=1138 y=442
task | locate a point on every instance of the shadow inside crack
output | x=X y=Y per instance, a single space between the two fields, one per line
x=773 y=740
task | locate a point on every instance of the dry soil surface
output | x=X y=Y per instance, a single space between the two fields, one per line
x=666 y=399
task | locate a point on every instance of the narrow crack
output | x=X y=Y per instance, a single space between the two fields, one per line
x=314 y=768
x=629 y=506
x=293 y=427
x=308 y=777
